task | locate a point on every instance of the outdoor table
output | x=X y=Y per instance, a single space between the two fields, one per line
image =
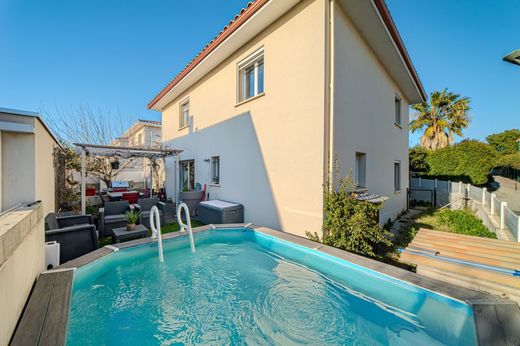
x=117 y=196
x=122 y=233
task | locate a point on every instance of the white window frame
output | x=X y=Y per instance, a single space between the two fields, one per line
x=397 y=177
x=398 y=111
x=184 y=121
x=251 y=60
x=215 y=178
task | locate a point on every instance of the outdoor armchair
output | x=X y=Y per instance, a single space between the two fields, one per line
x=113 y=215
x=76 y=235
x=144 y=206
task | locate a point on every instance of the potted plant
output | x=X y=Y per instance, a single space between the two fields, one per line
x=131 y=217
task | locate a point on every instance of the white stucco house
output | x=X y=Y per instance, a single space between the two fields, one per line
x=285 y=90
x=142 y=134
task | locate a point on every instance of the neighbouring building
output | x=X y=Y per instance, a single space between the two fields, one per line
x=27 y=174
x=289 y=91
x=142 y=134
x=27 y=160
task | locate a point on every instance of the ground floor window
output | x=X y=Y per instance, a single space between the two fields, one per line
x=397 y=176
x=361 y=170
x=187 y=175
x=215 y=169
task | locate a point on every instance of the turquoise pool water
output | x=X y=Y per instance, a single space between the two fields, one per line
x=246 y=287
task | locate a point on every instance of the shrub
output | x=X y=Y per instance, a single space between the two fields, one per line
x=351 y=224
x=464 y=222
x=509 y=160
x=132 y=217
x=417 y=156
x=505 y=142
x=469 y=161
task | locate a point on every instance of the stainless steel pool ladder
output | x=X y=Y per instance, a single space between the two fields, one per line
x=183 y=226
x=155 y=225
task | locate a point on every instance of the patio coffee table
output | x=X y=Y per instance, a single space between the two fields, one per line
x=122 y=233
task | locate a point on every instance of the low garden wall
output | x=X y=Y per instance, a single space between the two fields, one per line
x=22 y=258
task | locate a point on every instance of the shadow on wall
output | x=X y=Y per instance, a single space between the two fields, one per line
x=244 y=176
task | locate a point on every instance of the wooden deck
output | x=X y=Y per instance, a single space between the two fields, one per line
x=45 y=318
x=482 y=264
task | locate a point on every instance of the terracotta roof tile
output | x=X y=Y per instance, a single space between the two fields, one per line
x=251 y=9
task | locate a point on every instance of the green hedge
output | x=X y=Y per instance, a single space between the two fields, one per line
x=505 y=142
x=509 y=160
x=464 y=222
x=417 y=160
x=352 y=225
x=469 y=161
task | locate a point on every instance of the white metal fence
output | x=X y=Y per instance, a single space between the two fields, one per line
x=488 y=205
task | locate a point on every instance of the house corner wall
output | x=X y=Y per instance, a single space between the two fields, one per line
x=22 y=258
x=45 y=183
x=271 y=148
x=364 y=117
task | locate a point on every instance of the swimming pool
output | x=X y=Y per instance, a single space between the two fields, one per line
x=247 y=287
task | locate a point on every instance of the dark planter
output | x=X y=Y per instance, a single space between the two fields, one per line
x=192 y=200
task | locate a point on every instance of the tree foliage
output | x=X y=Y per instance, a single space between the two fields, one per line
x=445 y=115
x=509 y=160
x=505 y=142
x=417 y=159
x=470 y=161
x=351 y=224
x=92 y=126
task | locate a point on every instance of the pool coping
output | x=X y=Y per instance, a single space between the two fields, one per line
x=44 y=320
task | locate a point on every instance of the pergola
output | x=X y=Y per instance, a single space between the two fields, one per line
x=125 y=153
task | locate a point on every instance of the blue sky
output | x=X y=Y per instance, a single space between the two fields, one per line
x=116 y=55
x=459 y=45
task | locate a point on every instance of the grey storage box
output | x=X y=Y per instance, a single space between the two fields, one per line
x=216 y=212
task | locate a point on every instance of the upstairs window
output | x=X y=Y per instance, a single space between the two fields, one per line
x=397 y=110
x=184 y=114
x=215 y=170
x=251 y=76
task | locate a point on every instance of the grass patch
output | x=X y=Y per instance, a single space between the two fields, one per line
x=454 y=221
x=168 y=228
x=174 y=227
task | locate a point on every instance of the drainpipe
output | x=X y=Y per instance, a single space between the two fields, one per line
x=329 y=93
x=328 y=157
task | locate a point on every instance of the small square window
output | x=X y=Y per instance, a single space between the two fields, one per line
x=251 y=76
x=215 y=169
x=397 y=110
x=184 y=114
x=397 y=176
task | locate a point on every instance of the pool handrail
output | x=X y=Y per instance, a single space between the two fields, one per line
x=155 y=225
x=183 y=226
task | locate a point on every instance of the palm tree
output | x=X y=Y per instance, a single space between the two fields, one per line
x=444 y=116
